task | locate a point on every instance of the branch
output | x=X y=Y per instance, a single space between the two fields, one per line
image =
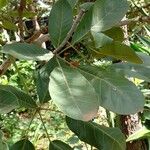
x=135 y=20
x=73 y=28
x=5 y=65
x=20 y=12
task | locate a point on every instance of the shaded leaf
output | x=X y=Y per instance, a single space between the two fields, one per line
x=67 y=91
x=59 y=145
x=42 y=80
x=60 y=21
x=101 y=137
x=141 y=71
x=23 y=145
x=8 y=101
x=24 y=100
x=100 y=39
x=116 y=33
x=115 y=92
x=27 y=51
x=142 y=133
x=120 y=51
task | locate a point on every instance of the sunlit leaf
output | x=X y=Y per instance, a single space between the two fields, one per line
x=3 y=3
x=73 y=93
x=9 y=25
x=141 y=133
x=102 y=16
x=27 y=51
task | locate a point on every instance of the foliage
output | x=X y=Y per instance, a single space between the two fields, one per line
x=78 y=74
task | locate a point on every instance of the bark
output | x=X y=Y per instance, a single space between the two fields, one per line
x=131 y=123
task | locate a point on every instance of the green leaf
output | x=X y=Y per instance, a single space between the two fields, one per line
x=42 y=80
x=100 y=39
x=3 y=145
x=115 y=92
x=67 y=89
x=107 y=13
x=140 y=134
x=27 y=51
x=24 y=99
x=23 y=145
x=120 y=51
x=83 y=27
x=60 y=21
x=102 y=16
x=3 y=3
x=72 y=3
x=9 y=25
x=144 y=40
x=101 y=137
x=86 y=6
x=116 y=33
x=59 y=145
x=27 y=14
x=141 y=71
x=8 y=101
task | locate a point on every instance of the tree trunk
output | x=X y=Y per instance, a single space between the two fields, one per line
x=131 y=123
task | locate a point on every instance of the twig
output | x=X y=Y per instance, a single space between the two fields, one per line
x=5 y=65
x=135 y=20
x=73 y=28
x=20 y=12
x=44 y=126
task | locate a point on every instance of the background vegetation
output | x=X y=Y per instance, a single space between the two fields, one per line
x=28 y=20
